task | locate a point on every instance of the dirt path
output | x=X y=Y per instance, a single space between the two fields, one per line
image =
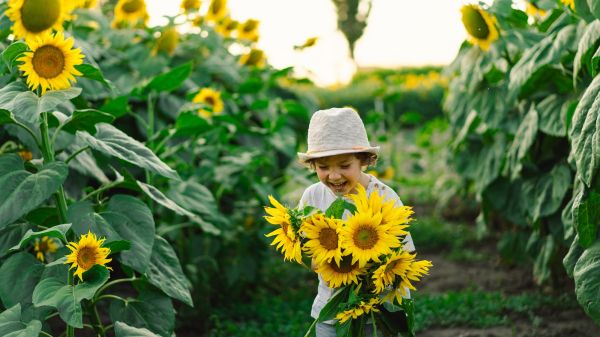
x=490 y=275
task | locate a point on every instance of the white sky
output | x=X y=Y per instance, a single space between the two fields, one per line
x=399 y=33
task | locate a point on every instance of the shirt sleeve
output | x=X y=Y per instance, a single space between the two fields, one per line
x=304 y=200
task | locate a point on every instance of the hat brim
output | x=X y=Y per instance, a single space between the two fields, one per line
x=304 y=157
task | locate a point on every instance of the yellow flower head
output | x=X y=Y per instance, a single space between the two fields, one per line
x=532 y=10
x=323 y=239
x=285 y=238
x=87 y=253
x=44 y=246
x=337 y=275
x=217 y=10
x=51 y=62
x=362 y=308
x=188 y=6
x=255 y=57
x=480 y=26
x=209 y=97
x=198 y=20
x=226 y=26
x=398 y=264
x=33 y=18
x=413 y=272
x=569 y=3
x=131 y=12
x=248 y=30
x=167 y=42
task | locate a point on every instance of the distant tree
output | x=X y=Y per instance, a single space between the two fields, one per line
x=352 y=18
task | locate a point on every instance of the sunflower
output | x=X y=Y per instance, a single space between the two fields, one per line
x=44 y=246
x=532 y=10
x=217 y=10
x=249 y=30
x=167 y=42
x=86 y=253
x=366 y=238
x=188 y=6
x=285 y=237
x=198 y=20
x=211 y=98
x=323 y=238
x=255 y=57
x=226 y=26
x=569 y=3
x=413 y=272
x=130 y=12
x=362 y=308
x=51 y=62
x=33 y=18
x=480 y=26
x=398 y=264
x=336 y=275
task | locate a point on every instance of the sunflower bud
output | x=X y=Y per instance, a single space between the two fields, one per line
x=168 y=40
x=255 y=57
x=480 y=26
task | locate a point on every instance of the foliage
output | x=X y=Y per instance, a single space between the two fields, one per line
x=523 y=118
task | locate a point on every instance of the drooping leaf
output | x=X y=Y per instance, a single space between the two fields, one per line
x=23 y=191
x=164 y=272
x=333 y=304
x=572 y=256
x=11 y=235
x=93 y=73
x=67 y=298
x=11 y=324
x=12 y=52
x=587 y=46
x=86 y=120
x=545 y=193
x=19 y=275
x=114 y=142
x=58 y=231
x=524 y=138
x=586 y=276
x=124 y=330
x=584 y=133
x=170 y=80
x=587 y=217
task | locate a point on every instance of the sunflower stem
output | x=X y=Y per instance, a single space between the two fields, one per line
x=43 y=333
x=112 y=283
x=374 y=324
x=98 y=327
x=74 y=154
x=149 y=141
x=109 y=296
x=101 y=189
x=311 y=328
x=26 y=128
x=59 y=196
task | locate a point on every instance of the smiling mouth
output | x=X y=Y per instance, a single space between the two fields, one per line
x=338 y=187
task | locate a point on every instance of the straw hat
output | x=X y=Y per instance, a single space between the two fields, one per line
x=336 y=131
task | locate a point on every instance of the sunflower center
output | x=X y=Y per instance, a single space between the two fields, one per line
x=249 y=26
x=216 y=6
x=39 y=15
x=211 y=101
x=365 y=237
x=474 y=23
x=48 y=61
x=132 y=6
x=86 y=257
x=43 y=246
x=328 y=238
x=345 y=266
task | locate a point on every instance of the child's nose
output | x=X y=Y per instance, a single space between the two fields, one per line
x=334 y=175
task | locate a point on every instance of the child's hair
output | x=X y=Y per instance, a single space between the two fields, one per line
x=365 y=158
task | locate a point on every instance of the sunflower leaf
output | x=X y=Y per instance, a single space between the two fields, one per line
x=67 y=298
x=23 y=191
x=19 y=275
x=12 y=52
x=114 y=142
x=124 y=330
x=331 y=309
x=338 y=207
x=170 y=80
x=11 y=324
x=86 y=120
x=587 y=287
x=59 y=232
x=6 y=117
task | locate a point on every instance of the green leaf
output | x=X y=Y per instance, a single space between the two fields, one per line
x=23 y=191
x=190 y=124
x=93 y=73
x=594 y=8
x=552 y=112
x=587 y=217
x=27 y=106
x=595 y=63
x=338 y=207
x=58 y=231
x=114 y=142
x=170 y=80
x=584 y=133
x=546 y=192
x=12 y=52
x=83 y=219
x=133 y=220
x=587 y=287
x=151 y=310
x=67 y=298
x=11 y=235
x=124 y=330
x=251 y=86
x=11 y=324
x=541 y=265
x=587 y=45
x=19 y=275
x=331 y=309
x=86 y=120
x=165 y=272
x=117 y=107
x=572 y=256
x=524 y=138
x=160 y=198
x=6 y=117
x=196 y=198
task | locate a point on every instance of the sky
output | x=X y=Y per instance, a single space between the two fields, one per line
x=399 y=33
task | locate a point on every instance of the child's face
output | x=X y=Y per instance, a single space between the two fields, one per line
x=341 y=173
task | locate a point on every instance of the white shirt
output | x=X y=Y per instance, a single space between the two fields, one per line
x=320 y=196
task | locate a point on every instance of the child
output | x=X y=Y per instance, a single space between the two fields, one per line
x=339 y=151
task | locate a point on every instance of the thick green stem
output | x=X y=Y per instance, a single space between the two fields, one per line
x=59 y=196
x=98 y=327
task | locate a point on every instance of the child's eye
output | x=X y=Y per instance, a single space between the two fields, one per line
x=345 y=166
x=322 y=167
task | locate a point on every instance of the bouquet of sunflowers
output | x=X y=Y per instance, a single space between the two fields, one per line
x=362 y=256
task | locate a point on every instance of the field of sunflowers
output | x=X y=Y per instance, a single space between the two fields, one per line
x=144 y=170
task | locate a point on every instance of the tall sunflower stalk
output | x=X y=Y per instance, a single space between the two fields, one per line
x=361 y=256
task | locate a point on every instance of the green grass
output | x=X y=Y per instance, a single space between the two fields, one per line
x=473 y=308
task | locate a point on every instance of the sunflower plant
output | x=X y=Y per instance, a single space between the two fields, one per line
x=361 y=256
